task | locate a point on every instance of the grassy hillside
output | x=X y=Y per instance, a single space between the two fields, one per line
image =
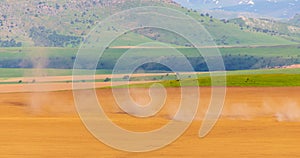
x=65 y=18
x=269 y=26
x=39 y=23
x=51 y=33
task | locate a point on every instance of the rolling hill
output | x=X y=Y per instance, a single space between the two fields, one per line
x=269 y=26
x=53 y=31
x=65 y=24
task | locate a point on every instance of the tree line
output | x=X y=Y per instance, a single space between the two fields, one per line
x=10 y=43
x=48 y=38
x=231 y=62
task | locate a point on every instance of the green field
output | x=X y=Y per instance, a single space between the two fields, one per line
x=61 y=60
x=14 y=72
x=274 y=78
x=263 y=77
x=261 y=51
x=270 y=51
x=246 y=78
x=235 y=58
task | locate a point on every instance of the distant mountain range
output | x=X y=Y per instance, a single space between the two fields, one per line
x=264 y=8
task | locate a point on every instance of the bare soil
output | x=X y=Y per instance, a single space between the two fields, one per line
x=256 y=122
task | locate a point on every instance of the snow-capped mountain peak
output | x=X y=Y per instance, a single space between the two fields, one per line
x=250 y=2
x=272 y=8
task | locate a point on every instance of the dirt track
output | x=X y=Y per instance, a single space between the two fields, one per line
x=256 y=122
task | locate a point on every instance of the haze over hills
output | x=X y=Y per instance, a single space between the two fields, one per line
x=262 y=8
x=268 y=8
x=295 y=20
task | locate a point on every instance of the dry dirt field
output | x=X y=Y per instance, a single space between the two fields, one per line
x=256 y=122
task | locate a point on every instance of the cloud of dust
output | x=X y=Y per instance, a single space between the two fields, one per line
x=281 y=110
x=239 y=111
x=140 y=102
x=39 y=61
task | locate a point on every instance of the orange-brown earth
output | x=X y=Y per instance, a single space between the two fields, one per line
x=256 y=122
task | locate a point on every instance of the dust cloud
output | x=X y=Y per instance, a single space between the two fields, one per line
x=288 y=111
x=39 y=61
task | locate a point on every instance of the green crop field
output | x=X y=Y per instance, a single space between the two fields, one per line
x=251 y=80
x=261 y=77
x=273 y=51
x=237 y=58
x=247 y=78
x=15 y=72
